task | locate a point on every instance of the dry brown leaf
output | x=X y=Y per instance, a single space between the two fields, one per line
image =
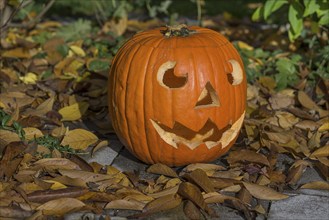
x=55 y=163
x=263 y=192
x=296 y=171
x=100 y=145
x=79 y=139
x=162 y=170
x=324 y=126
x=7 y=137
x=206 y=167
x=316 y=185
x=191 y=211
x=85 y=176
x=229 y=174
x=14 y=213
x=31 y=133
x=245 y=196
x=191 y=192
x=247 y=155
x=59 y=207
x=163 y=203
x=233 y=189
x=308 y=103
x=321 y=152
x=200 y=178
x=42 y=196
x=125 y=204
x=43 y=108
x=164 y=192
x=215 y=197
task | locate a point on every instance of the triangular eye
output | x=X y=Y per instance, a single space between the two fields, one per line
x=208 y=97
x=167 y=78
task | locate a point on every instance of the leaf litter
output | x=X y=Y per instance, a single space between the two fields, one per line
x=51 y=84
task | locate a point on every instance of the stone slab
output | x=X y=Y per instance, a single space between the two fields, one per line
x=300 y=207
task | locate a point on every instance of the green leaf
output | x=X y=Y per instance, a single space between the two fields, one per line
x=62 y=49
x=324 y=20
x=287 y=72
x=295 y=19
x=271 y=6
x=310 y=7
x=74 y=31
x=98 y=65
x=258 y=13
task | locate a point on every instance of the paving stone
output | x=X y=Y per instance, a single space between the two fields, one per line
x=125 y=161
x=106 y=155
x=300 y=207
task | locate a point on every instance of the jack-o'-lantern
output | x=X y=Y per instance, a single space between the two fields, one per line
x=177 y=95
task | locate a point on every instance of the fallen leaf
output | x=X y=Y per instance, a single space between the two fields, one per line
x=191 y=192
x=78 y=51
x=215 y=197
x=263 y=192
x=200 y=178
x=29 y=78
x=31 y=133
x=43 y=108
x=206 y=167
x=316 y=185
x=165 y=192
x=73 y=112
x=163 y=203
x=55 y=163
x=324 y=127
x=42 y=196
x=7 y=137
x=162 y=170
x=59 y=207
x=247 y=155
x=79 y=139
x=321 y=152
x=125 y=204
x=100 y=145
x=191 y=211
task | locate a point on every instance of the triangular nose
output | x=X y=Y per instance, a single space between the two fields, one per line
x=208 y=97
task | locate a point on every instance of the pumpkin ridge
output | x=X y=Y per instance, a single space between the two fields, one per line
x=145 y=121
x=126 y=100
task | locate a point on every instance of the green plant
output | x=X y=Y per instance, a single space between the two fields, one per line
x=53 y=143
x=8 y=124
x=297 y=11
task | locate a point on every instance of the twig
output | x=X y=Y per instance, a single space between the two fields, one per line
x=35 y=20
x=12 y=15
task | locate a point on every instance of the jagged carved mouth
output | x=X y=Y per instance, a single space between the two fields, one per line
x=209 y=134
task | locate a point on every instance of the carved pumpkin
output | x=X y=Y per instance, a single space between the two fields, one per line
x=177 y=95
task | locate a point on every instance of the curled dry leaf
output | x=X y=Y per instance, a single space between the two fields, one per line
x=215 y=197
x=42 y=196
x=321 y=152
x=191 y=211
x=263 y=192
x=206 y=167
x=79 y=139
x=43 y=108
x=248 y=156
x=100 y=145
x=316 y=185
x=164 y=192
x=59 y=207
x=125 y=204
x=162 y=170
x=55 y=163
x=200 y=178
x=192 y=192
x=163 y=203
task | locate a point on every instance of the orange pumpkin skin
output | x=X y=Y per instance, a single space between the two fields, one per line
x=161 y=120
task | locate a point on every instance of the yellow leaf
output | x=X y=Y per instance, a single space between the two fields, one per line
x=78 y=51
x=316 y=185
x=74 y=111
x=56 y=185
x=79 y=139
x=244 y=45
x=31 y=133
x=324 y=127
x=19 y=53
x=29 y=78
x=321 y=152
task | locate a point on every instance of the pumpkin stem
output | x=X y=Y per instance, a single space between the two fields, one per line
x=180 y=30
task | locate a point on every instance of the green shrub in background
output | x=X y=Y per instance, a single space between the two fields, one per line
x=296 y=12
